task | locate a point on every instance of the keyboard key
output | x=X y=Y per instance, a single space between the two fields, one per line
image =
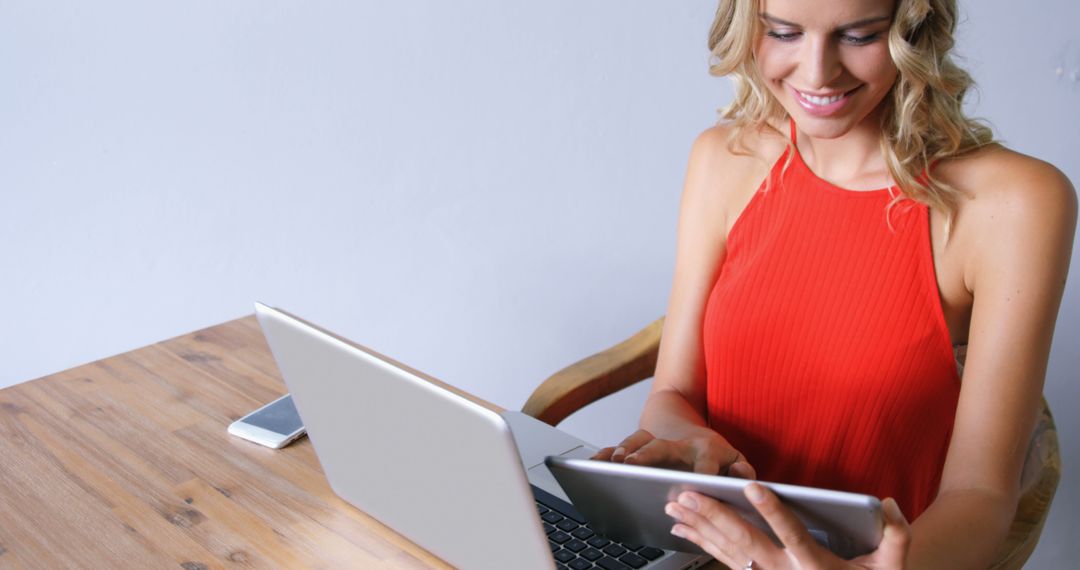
x=559 y=536
x=582 y=533
x=565 y=556
x=598 y=542
x=579 y=564
x=575 y=545
x=611 y=564
x=615 y=550
x=591 y=554
x=554 y=546
x=541 y=508
x=552 y=517
x=631 y=547
x=553 y=502
x=651 y=553
x=567 y=525
x=548 y=529
x=633 y=560
x=562 y=567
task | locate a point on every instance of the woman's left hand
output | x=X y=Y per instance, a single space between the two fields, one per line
x=721 y=532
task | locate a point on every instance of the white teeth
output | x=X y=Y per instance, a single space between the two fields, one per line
x=821 y=101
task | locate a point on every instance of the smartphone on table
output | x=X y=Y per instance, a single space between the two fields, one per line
x=274 y=425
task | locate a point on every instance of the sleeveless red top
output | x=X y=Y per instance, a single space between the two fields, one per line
x=828 y=359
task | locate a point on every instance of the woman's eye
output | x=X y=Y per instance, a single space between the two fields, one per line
x=782 y=36
x=859 y=40
x=849 y=39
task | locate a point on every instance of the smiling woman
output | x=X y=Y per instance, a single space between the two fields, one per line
x=881 y=63
x=848 y=74
x=846 y=234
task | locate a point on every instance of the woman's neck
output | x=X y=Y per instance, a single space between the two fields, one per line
x=852 y=160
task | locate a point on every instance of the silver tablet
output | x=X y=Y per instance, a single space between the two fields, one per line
x=626 y=503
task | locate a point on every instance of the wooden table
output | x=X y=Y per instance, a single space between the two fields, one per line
x=125 y=463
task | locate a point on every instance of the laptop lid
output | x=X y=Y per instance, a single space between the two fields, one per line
x=408 y=450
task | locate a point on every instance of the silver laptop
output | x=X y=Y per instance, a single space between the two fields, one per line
x=455 y=477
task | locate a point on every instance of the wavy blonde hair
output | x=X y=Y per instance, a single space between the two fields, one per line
x=923 y=120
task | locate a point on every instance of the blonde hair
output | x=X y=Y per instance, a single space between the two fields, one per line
x=923 y=120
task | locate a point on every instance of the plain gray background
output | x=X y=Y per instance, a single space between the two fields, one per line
x=486 y=189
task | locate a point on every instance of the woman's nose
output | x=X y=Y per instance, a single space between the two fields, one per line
x=820 y=63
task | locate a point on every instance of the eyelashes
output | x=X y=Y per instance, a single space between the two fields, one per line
x=781 y=37
x=860 y=40
x=846 y=38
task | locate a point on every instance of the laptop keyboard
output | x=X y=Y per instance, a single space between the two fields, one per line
x=576 y=546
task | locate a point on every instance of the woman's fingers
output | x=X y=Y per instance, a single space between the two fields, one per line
x=894 y=545
x=631 y=444
x=721 y=532
x=712 y=549
x=709 y=455
x=715 y=456
x=712 y=459
x=742 y=469
x=718 y=524
x=642 y=448
x=785 y=525
x=699 y=530
x=657 y=452
x=603 y=454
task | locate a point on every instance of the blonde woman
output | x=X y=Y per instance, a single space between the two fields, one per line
x=844 y=234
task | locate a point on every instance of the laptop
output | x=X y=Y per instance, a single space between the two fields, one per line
x=465 y=483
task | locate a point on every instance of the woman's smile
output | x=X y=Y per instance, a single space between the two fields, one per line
x=822 y=105
x=827 y=64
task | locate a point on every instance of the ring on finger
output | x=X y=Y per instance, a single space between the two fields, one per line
x=749 y=565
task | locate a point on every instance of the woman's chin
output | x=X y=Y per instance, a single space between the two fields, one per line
x=819 y=128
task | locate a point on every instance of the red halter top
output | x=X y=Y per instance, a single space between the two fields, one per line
x=828 y=359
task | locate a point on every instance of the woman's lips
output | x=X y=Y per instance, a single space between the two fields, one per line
x=822 y=106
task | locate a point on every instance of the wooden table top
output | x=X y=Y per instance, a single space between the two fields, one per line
x=126 y=463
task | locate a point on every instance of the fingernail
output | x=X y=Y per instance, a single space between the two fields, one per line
x=892 y=510
x=672 y=511
x=754 y=493
x=618 y=451
x=688 y=502
x=678 y=531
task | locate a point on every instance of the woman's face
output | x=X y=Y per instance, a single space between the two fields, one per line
x=826 y=61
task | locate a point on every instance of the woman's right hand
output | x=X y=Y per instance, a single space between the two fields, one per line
x=707 y=453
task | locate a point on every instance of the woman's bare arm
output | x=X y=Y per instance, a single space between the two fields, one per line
x=1024 y=236
x=675 y=409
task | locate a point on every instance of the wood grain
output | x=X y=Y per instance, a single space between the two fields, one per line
x=126 y=463
x=597 y=376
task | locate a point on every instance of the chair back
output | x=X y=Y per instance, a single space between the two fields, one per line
x=1038 y=483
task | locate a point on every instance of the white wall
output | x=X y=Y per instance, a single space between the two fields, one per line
x=485 y=189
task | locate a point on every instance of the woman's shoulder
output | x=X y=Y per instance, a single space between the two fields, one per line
x=1011 y=198
x=994 y=176
x=728 y=143
x=727 y=164
x=726 y=159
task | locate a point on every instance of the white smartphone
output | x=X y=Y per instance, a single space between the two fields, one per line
x=274 y=425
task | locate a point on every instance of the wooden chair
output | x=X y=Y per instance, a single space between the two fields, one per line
x=634 y=359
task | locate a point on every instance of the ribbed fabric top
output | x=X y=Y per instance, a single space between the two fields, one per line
x=827 y=354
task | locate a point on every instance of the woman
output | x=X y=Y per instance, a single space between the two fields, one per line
x=840 y=235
